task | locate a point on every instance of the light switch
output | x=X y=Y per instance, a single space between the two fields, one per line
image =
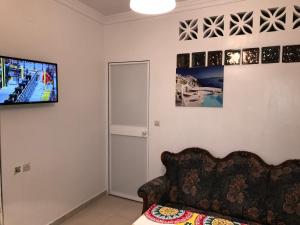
x=26 y=167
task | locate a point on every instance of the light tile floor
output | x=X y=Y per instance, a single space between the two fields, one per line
x=108 y=210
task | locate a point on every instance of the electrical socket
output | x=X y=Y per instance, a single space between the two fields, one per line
x=26 y=167
x=18 y=169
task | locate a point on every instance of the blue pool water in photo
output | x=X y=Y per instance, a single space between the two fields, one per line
x=213 y=101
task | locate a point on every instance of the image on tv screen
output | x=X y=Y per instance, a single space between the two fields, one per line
x=27 y=81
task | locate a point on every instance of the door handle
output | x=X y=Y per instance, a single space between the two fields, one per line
x=144 y=133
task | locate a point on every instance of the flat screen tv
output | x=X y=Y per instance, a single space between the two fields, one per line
x=24 y=81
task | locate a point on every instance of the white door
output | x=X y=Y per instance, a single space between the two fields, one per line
x=128 y=127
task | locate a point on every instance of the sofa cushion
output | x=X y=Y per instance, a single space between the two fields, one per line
x=195 y=173
x=240 y=187
x=284 y=195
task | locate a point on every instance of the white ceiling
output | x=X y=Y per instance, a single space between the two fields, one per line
x=109 y=7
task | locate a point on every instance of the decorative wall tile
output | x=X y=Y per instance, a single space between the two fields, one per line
x=296 y=17
x=272 y=19
x=291 y=53
x=198 y=59
x=241 y=23
x=232 y=57
x=183 y=60
x=213 y=26
x=270 y=54
x=251 y=56
x=215 y=58
x=188 y=30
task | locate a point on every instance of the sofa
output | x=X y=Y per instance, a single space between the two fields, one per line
x=239 y=187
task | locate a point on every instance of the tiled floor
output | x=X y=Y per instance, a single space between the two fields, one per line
x=108 y=210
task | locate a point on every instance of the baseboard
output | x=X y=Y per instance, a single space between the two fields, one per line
x=77 y=209
x=128 y=197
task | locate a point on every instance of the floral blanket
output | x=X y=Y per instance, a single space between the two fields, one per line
x=167 y=215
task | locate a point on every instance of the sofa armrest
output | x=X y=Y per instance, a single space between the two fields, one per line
x=153 y=191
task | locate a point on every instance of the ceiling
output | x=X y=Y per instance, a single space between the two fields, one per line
x=110 y=7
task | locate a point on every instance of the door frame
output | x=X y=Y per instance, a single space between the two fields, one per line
x=109 y=125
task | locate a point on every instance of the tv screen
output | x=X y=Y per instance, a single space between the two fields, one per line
x=25 y=81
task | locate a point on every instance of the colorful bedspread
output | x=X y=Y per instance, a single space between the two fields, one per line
x=165 y=215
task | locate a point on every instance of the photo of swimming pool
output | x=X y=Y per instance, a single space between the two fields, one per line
x=200 y=86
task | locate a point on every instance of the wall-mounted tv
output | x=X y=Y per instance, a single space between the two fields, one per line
x=24 y=81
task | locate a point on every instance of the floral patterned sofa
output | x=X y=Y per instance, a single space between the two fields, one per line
x=241 y=187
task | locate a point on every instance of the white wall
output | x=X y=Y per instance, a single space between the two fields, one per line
x=261 y=102
x=64 y=142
